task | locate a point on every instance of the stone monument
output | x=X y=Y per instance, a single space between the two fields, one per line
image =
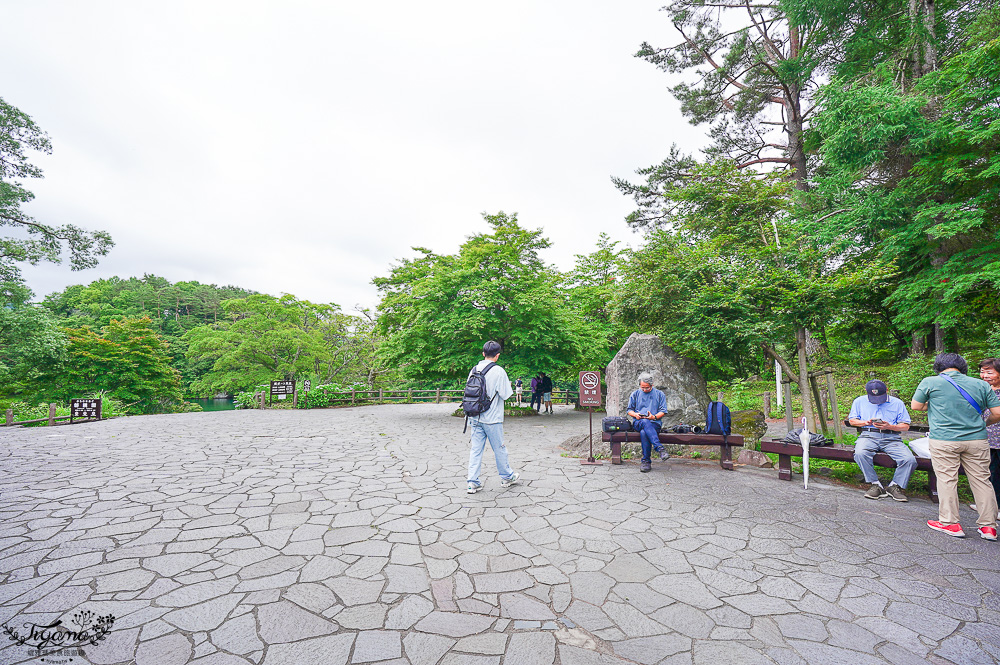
x=678 y=378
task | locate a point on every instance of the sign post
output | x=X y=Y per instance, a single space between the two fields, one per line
x=590 y=396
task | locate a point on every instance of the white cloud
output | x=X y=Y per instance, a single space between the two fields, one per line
x=302 y=147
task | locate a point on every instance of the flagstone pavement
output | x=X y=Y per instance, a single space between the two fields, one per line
x=346 y=536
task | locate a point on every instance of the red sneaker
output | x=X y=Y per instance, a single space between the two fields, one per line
x=988 y=533
x=950 y=529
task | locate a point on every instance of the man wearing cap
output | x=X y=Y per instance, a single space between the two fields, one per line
x=881 y=418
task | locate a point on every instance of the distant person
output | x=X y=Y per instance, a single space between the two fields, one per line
x=546 y=389
x=536 y=392
x=519 y=390
x=958 y=409
x=882 y=418
x=647 y=406
x=488 y=426
x=989 y=371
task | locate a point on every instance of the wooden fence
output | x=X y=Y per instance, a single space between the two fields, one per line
x=412 y=396
x=9 y=421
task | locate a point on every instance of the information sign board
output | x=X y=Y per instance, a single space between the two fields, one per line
x=282 y=388
x=84 y=408
x=590 y=388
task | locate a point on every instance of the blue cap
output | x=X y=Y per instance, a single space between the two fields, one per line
x=877 y=392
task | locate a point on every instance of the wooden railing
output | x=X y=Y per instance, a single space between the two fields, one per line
x=9 y=421
x=410 y=395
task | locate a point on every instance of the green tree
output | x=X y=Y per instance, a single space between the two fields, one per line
x=437 y=310
x=591 y=287
x=127 y=359
x=33 y=241
x=910 y=171
x=31 y=341
x=267 y=338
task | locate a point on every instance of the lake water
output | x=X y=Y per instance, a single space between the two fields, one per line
x=211 y=404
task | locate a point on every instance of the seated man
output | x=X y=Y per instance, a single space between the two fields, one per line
x=882 y=417
x=646 y=407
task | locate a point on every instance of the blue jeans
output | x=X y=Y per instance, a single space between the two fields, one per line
x=494 y=434
x=649 y=435
x=536 y=397
x=866 y=447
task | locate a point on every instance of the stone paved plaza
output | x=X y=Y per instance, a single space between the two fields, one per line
x=345 y=536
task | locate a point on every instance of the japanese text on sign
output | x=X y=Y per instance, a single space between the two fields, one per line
x=85 y=408
x=282 y=387
x=590 y=389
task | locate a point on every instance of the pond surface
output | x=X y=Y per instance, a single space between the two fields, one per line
x=213 y=404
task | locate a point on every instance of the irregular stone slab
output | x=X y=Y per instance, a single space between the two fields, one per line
x=406 y=579
x=408 y=612
x=487 y=644
x=650 y=650
x=332 y=650
x=129 y=580
x=197 y=593
x=372 y=645
x=118 y=647
x=356 y=592
x=519 y=606
x=348 y=534
x=531 y=649
x=167 y=650
x=204 y=616
x=285 y=622
x=452 y=624
x=169 y=565
x=362 y=617
x=591 y=587
x=570 y=655
x=238 y=635
x=500 y=582
x=313 y=597
x=423 y=649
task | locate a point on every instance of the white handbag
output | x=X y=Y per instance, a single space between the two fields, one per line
x=921 y=447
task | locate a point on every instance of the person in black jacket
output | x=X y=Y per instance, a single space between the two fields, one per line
x=547 y=392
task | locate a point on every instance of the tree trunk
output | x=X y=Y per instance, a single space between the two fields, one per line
x=938 y=338
x=815 y=346
x=917 y=346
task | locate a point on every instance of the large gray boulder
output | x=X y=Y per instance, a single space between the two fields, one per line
x=676 y=376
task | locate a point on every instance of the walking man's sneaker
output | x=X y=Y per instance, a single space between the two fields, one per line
x=876 y=492
x=473 y=488
x=510 y=481
x=988 y=533
x=645 y=466
x=950 y=529
x=896 y=492
x=664 y=455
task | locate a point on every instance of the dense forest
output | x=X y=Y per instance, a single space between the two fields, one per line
x=846 y=210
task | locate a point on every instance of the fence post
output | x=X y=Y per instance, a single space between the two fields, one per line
x=295 y=397
x=52 y=414
x=767 y=405
x=263 y=401
x=838 y=422
x=380 y=396
x=437 y=396
x=353 y=393
x=409 y=396
x=9 y=416
x=814 y=384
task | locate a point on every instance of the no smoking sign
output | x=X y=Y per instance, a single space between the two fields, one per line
x=590 y=388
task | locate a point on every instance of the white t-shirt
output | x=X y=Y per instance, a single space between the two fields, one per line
x=497 y=387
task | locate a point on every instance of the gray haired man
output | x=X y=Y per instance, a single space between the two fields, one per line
x=647 y=406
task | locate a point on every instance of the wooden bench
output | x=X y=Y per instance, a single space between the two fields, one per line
x=786 y=451
x=669 y=438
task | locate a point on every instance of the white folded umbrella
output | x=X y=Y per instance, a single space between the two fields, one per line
x=804 y=438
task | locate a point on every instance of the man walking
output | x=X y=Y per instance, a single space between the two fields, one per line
x=958 y=410
x=882 y=417
x=488 y=425
x=647 y=406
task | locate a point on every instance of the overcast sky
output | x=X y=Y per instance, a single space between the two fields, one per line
x=303 y=147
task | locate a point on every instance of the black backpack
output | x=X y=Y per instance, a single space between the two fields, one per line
x=475 y=400
x=718 y=420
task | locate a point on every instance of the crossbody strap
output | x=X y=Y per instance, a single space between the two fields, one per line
x=967 y=396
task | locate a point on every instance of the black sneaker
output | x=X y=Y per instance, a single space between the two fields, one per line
x=645 y=466
x=896 y=492
x=876 y=492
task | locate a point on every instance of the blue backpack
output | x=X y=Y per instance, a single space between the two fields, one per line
x=718 y=420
